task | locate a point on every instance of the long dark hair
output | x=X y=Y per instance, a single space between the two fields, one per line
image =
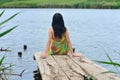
x=58 y=25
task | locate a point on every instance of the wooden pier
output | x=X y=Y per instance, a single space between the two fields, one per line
x=64 y=67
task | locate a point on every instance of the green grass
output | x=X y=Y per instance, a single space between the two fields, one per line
x=60 y=3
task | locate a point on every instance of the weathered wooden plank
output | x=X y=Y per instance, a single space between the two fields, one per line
x=71 y=69
x=94 y=69
x=63 y=67
x=49 y=69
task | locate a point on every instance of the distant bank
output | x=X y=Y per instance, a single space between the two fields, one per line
x=97 y=4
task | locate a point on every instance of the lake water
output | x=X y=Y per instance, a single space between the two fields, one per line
x=92 y=32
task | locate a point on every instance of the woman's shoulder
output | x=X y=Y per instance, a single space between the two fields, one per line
x=50 y=29
x=66 y=31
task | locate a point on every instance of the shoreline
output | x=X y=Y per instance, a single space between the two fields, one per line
x=61 y=8
x=54 y=8
x=76 y=4
x=58 y=8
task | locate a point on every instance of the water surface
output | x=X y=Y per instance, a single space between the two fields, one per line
x=92 y=32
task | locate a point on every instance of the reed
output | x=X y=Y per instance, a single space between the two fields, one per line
x=3 y=68
x=111 y=62
x=60 y=4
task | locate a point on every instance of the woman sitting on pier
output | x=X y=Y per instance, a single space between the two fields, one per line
x=58 y=41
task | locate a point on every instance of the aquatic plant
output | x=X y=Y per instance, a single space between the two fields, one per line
x=3 y=22
x=4 y=70
x=110 y=62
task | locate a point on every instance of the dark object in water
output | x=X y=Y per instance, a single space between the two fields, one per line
x=20 y=54
x=25 y=47
x=22 y=73
x=6 y=50
x=34 y=57
x=73 y=49
x=36 y=71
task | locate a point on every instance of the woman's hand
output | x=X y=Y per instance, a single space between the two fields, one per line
x=75 y=55
x=43 y=55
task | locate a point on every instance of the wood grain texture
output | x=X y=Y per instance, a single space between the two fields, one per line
x=71 y=69
x=49 y=69
x=64 y=67
x=93 y=69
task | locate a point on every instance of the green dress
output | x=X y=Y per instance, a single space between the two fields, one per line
x=59 y=47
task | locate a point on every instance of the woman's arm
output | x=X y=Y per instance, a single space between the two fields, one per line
x=48 y=41
x=69 y=42
x=70 y=45
x=43 y=55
